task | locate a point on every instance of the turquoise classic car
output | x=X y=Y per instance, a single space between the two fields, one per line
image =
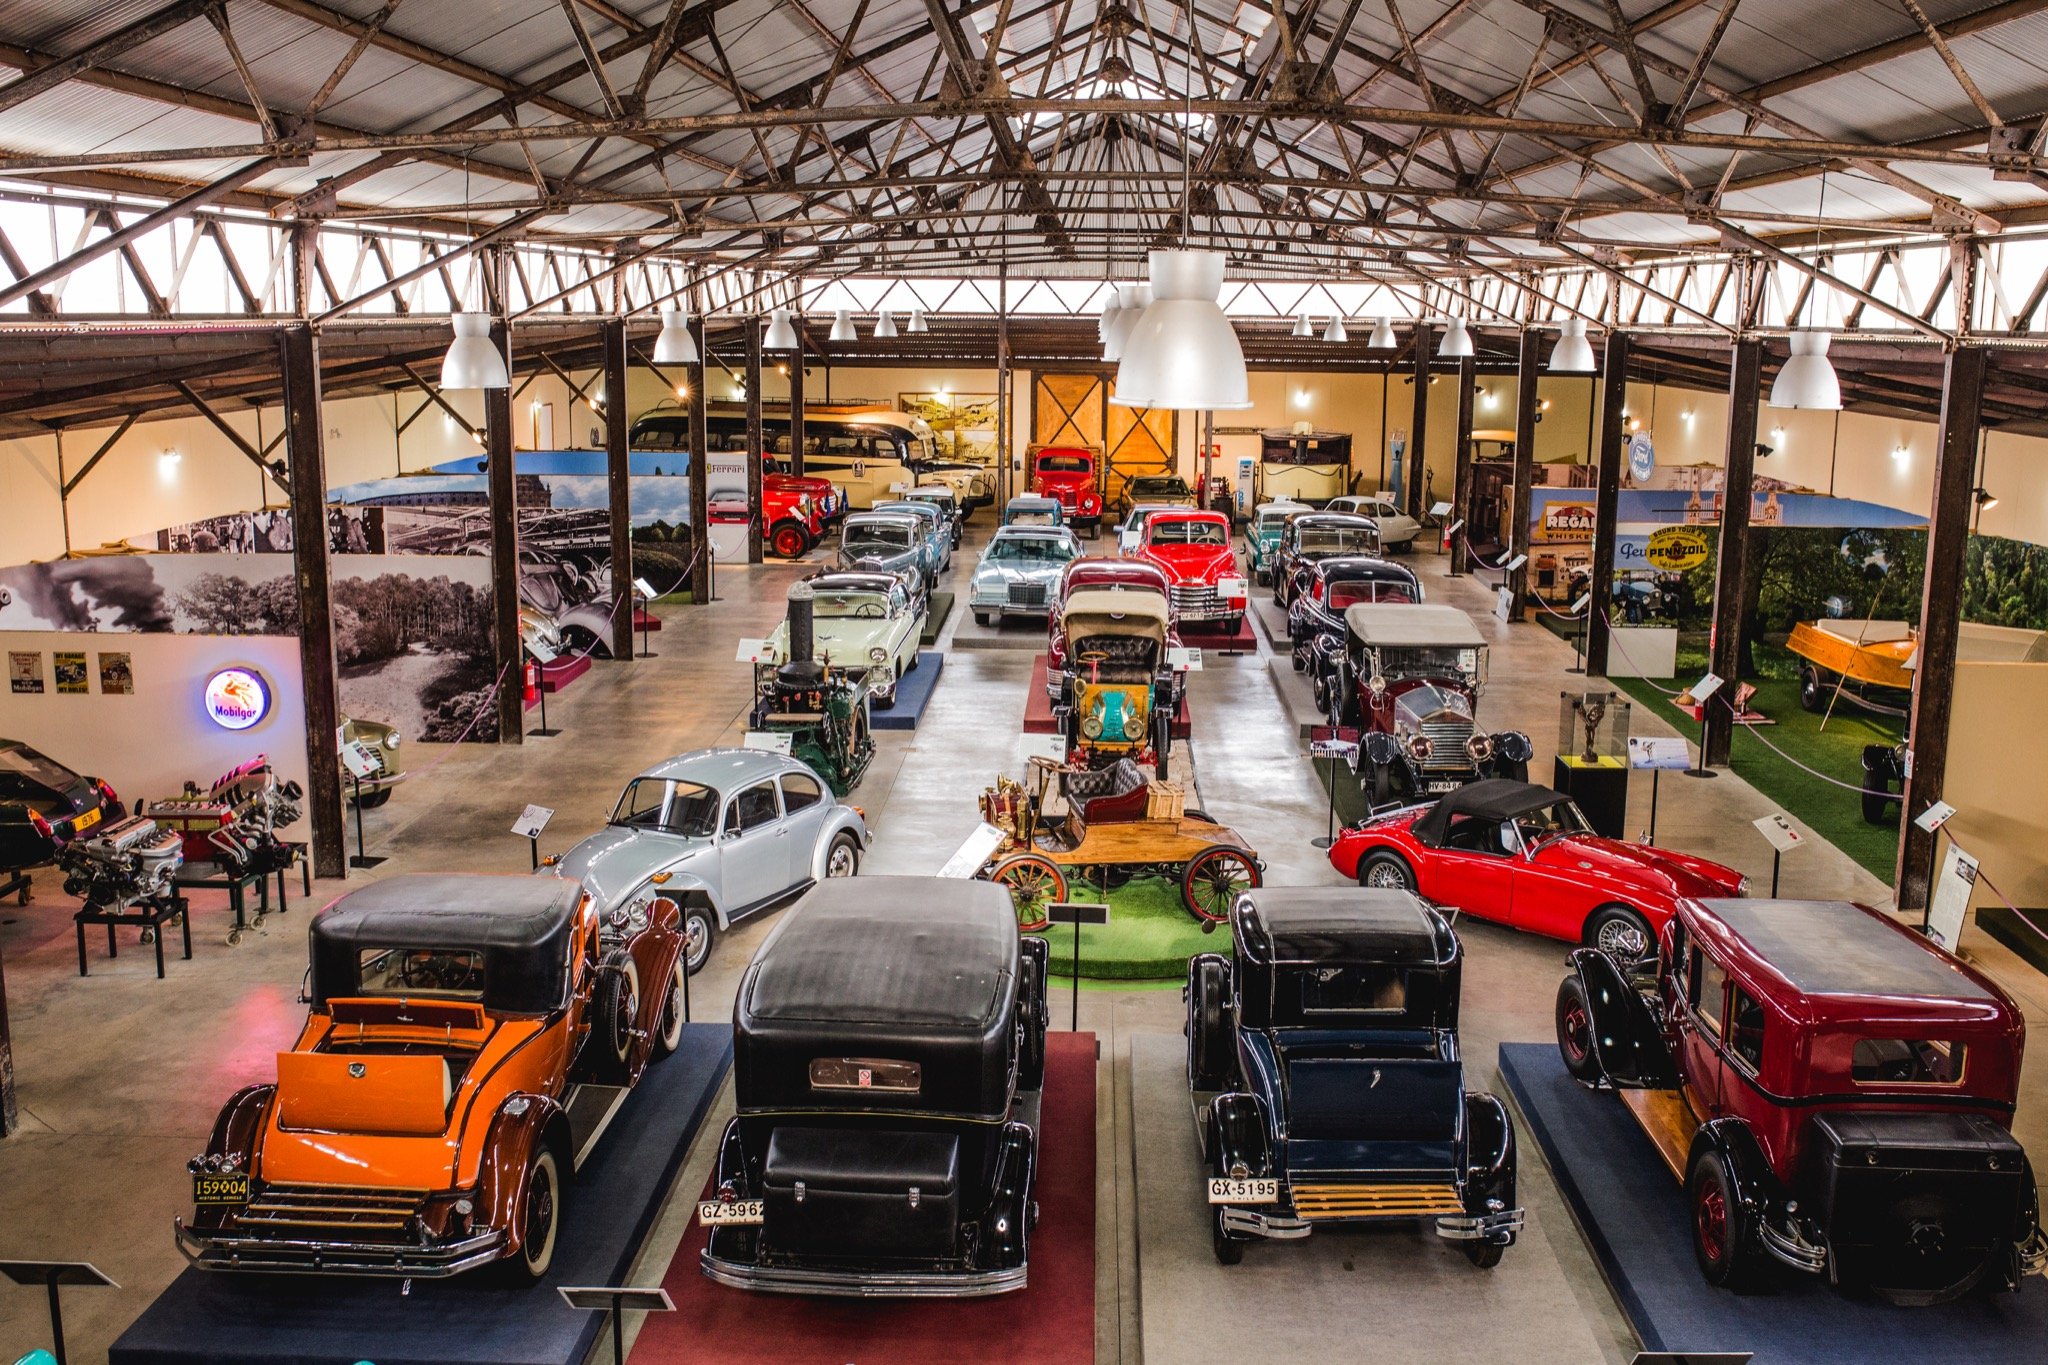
x=1262 y=536
x=938 y=531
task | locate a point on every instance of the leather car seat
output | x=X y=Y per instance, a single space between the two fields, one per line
x=1111 y=795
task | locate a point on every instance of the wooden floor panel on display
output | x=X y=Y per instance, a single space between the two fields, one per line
x=1051 y=1321
x=1669 y=1122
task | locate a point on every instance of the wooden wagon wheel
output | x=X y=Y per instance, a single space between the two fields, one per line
x=1213 y=879
x=1035 y=881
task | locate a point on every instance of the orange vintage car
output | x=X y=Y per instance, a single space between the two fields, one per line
x=419 y=1127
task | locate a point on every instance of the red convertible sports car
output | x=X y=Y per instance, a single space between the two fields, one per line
x=1523 y=855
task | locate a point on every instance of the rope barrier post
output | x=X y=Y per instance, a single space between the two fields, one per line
x=1776 y=858
x=1655 y=773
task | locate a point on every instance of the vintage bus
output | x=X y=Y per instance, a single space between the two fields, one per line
x=1308 y=467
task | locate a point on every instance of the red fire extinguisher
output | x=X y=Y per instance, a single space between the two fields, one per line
x=532 y=681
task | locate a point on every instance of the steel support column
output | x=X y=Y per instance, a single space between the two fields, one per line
x=1732 y=553
x=1606 y=498
x=619 y=485
x=1948 y=533
x=755 y=444
x=1528 y=370
x=305 y=446
x=504 y=501
x=700 y=483
x=1461 y=481
x=1418 y=434
x=796 y=405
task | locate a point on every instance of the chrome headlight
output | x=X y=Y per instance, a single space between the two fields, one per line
x=1742 y=887
x=877 y=654
x=1091 y=724
x=391 y=740
x=1479 y=748
x=1419 y=748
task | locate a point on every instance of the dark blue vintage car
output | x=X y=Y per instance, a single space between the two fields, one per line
x=1326 y=1078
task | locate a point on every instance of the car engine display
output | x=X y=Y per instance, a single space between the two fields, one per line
x=235 y=821
x=128 y=863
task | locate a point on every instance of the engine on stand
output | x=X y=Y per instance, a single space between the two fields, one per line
x=127 y=864
x=235 y=822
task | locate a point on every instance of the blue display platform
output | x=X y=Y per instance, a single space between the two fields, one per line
x=1634 y=1215
x=469 y=1320
x=913 y=694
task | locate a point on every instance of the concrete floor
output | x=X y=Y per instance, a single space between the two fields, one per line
x=119 y=1076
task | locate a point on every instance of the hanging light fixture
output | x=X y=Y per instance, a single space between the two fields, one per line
x=472 y=361
x=1807 y=379
x=1573 y=354
x=1335 y=331
x=1302 y=330
x=781 y=336
x=1457 y=342
x=1382 y=336
x=1183 y=352
x=1132 y=300
x=1109 y=312
x=916 y=325
x=842 y=327
x=675 y=345
x=885 y=326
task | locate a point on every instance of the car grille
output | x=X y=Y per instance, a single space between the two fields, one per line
x=1196 y=600
x=363 y=1215
x=1404 y=1200
x=1447 y=744
x=1027 y=594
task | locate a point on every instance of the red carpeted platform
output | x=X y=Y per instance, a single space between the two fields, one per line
x=643 y=620
x=1038 y=707
x=1212 y=637
x=1051 y=1321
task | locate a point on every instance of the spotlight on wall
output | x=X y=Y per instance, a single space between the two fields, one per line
x=1763 y=451
x=167 y=464
x=1901 y=453
x=1986 y=499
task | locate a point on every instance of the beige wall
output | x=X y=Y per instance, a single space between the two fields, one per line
x=1993 y=776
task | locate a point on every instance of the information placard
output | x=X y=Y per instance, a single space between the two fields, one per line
x=1658 y=751
x=1185 y=658
x=1706 y=687
x=753 y=652
x=1438 y=509
x=973 y=852
x=1950 y=903
x=1780 y=832
x=645 y=589
x=532 y=821
x=767 y=740
x=359 y=758
x=1935 y=816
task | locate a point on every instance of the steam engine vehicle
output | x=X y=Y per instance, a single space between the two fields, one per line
x=1067 y=475
x=1315 y=622
x=1317 y=535
x=1120 y=697
x=419 y=1127
x=1835 y=1091
x=44 y=806
x=1524 y=855
x=1327 y=1083
x=1410 y=677
x=1194 y=550
x=865 y=623
x=1098 y=572
x=1019 y=570
x=888 y=1056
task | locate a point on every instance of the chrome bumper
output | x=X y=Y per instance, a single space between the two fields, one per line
x=1788 y=1245
x=1482 y=1227
x=1252 y=1223
x=285 y=1256
x=851 y=1284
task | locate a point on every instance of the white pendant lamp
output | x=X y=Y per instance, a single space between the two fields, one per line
x=1130 y=306
x=1808 y=378
x=1109 y=312
x=675 y=345
x=1335 y=331
x=780 y=335
x=472 y=362
x=885 y=326
x=916 y=325
x=1302 y=330
x=842 y=327
x=1382 y=336
x=1573 y=354
x=1457 y=342
x=1183 y=352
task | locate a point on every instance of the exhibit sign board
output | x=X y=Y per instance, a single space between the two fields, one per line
x=974 y=853
x=1950 y=902
x=766 y=740
x=1658 y=751
x=1776 y=828
x=532 y=821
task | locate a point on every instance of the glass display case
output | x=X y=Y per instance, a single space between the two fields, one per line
x=1592 y=729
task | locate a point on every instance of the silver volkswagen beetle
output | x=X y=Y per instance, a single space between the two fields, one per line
x=722 y=832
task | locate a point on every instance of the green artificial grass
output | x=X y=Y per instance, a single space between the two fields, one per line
x=1351 y=803
x=1150 y=935
x=1833 y=813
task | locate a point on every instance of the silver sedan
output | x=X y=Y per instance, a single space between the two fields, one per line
x=724 y=833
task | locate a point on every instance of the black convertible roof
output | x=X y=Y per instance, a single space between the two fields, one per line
x=1497 y=798
x=521 y=924
x=1341 y=924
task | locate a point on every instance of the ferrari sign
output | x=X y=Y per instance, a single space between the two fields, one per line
x=1677 y=548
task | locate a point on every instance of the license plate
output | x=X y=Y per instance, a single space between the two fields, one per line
x=1226 y=1191
x=713 y=1213
x=86 y=821
x=213 y=1191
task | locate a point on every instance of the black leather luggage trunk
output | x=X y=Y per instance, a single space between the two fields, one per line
x=862 y=1192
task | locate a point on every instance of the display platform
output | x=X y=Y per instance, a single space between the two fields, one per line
x=645 y=620
x=1051 y=1321
x=1038 y=717
x=1216 y=641
x=1634 y=1216
x=1296 y=694
x=936 y=613
x=913 y=694
x=1150 y=935
x=609 y=1207
x=560 y=672
x=1272 y=621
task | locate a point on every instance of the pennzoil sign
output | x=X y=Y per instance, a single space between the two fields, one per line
x=1677 y=548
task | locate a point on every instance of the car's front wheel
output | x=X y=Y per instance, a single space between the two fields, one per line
x=1385 y=870
x=844 y=858
x=1620 y=932
x=700 y=928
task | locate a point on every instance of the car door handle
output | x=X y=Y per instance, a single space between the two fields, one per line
x=782 y=834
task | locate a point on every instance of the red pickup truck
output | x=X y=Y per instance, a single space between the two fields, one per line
x=1067 y=475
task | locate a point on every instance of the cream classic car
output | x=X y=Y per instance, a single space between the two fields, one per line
x=866 y=623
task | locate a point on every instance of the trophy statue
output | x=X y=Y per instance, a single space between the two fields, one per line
x=1592 y=711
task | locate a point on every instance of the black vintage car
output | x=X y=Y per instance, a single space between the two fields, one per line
x=44 y=806
x=1313 y=536
x=1327 y=1083
x=1315 y=621
x=888 y=1053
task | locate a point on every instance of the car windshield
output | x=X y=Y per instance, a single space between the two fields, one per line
x=1344 y=594
x=678 y=807
x=1161 y=488
x=443 y=973
x=1337 y=540
x=1030 y=549
x=1550 y=822
x=885 y=537
x=838 y=605
x=1183 y=532
x=1064 y=464
x=22 y=762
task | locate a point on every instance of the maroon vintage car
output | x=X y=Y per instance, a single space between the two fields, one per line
x=1524 y=855
x=1835 y=1091
x=1123 y=575
x=1066 y=474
